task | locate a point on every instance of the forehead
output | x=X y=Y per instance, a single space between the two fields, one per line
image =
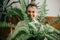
x=31 y=8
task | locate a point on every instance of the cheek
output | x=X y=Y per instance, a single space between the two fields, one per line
x=28 y=13
x=35 y=14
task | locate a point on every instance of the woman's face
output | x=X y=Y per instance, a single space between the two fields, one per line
x=32 y=11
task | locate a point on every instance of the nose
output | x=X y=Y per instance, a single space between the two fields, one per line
x=31 y=13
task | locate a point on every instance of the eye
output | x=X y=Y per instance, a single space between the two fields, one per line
x=29 y=11
x=32 y=11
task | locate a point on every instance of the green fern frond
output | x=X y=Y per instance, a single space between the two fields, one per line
x=42 y=11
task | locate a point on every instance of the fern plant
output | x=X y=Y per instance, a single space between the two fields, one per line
x=26 y=30
x=5 y=7
x=42 y=12
x=33 y=31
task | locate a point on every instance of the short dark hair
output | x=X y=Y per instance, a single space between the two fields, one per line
x=31 y=5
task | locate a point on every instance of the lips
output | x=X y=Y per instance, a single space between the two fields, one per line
x=33 y=15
